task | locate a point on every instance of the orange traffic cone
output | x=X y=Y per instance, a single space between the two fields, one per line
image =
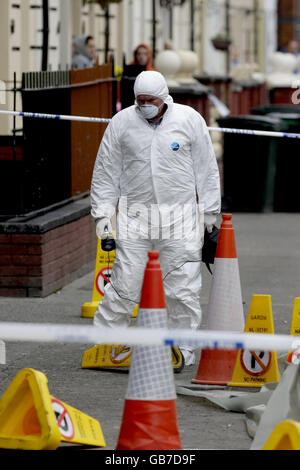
x=225 y=309
x=149 y=417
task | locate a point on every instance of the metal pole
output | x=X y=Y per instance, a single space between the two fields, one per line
x=192 y=9
x=14 y=119
x=171 y=22
x=107 y=32
x=227 y=28
x=256 y=16
x=153 y=27
x=45 y=35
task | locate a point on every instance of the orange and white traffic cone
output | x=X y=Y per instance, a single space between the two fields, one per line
x=225 y=309
x=149 y=416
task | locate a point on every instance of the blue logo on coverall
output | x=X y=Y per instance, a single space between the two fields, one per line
x=175 y=146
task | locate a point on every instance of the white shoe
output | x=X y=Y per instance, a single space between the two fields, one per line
x=189 y=357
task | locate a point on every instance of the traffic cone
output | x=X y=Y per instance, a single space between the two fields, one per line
x=149 y=416
x=225 y=309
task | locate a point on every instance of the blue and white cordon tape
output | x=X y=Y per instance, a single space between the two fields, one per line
x=90 y=334
x=63 y=117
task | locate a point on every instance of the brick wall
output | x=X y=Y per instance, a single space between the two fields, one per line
x=37 y=264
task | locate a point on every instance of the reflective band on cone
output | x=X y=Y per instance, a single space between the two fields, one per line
x=149 y=417
x=225 y=309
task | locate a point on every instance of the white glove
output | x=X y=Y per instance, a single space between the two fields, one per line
x=101 y=225
x=209 y=221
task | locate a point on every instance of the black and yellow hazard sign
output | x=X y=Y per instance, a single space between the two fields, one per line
x=32 y=419
x=103 y=268
x=256 y=368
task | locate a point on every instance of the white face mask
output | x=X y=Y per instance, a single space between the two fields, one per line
x=149 y=111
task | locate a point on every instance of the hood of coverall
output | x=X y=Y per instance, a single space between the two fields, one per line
x=152 y=83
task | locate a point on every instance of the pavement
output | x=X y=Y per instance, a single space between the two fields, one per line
x=268 y=248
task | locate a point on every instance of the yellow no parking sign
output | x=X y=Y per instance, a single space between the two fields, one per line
x=103 y=270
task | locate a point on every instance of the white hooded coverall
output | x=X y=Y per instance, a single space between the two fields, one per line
x=169 y=165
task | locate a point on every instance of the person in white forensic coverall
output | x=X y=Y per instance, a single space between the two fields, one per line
x=154 y=163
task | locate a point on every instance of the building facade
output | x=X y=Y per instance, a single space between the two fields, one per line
x=37 y=34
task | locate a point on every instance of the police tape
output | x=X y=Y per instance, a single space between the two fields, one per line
x=255 y=132
x=90 y=334
x=60 y=117
x=65 y=117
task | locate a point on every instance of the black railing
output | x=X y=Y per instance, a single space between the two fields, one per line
x=49 y=161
